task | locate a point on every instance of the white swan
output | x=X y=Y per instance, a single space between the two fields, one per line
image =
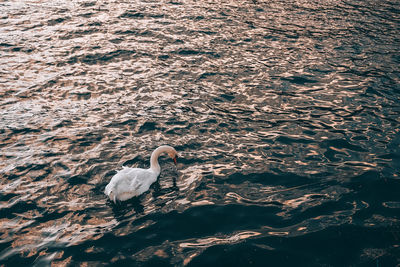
x=131 y=182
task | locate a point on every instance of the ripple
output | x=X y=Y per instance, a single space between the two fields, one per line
x=285 y=117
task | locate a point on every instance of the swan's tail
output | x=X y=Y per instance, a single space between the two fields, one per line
x=113 y=197
x=108 y=191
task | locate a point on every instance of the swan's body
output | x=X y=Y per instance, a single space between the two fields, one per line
x=132 y=182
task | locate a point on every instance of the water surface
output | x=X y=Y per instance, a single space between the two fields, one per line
x=285 y=115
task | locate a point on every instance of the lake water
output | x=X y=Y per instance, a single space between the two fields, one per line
x=285 y=114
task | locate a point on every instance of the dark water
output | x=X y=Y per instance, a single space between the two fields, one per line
x=286 y=115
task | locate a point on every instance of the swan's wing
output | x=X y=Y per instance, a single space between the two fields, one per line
x=134 y=184
x=132 y=180
x=143 y=180
x=128 y=178
x=120 y=183
x=129 y=182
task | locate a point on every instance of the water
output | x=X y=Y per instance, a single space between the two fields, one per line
x=285 y=115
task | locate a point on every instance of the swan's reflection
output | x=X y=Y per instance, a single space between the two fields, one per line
x=146 y=203
x=125 y=209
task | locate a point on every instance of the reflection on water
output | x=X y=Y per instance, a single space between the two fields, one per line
x=285 y=115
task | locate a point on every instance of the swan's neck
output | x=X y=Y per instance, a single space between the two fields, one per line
x=154 y=165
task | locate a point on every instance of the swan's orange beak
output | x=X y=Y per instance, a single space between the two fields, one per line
x=175 y=160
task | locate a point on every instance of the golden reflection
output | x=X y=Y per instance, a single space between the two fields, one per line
x=212 y=241
x=189 y=258
x=191 y=174
x=161 y=253
x=294 y=203
x=62 y=263
x=279 y=233
x=202 y=203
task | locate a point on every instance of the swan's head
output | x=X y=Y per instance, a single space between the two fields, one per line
x=173 y=155
x=164 y=149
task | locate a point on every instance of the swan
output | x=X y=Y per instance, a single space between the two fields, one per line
x=132 y=182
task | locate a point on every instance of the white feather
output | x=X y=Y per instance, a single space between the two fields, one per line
x=132 y=182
